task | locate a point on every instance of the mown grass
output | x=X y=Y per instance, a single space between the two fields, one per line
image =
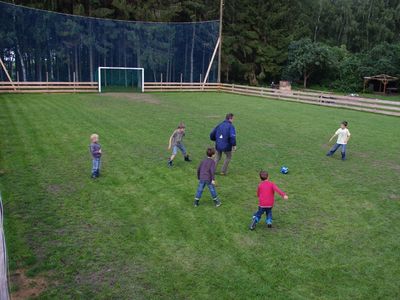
x=134 y=234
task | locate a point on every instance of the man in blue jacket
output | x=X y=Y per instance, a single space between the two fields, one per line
x=224 y=136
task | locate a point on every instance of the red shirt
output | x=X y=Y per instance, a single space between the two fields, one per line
x=265 y=193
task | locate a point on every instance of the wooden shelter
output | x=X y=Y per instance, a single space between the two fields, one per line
x=383 y=80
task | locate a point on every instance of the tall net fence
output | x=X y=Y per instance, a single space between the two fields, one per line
x=38 y=45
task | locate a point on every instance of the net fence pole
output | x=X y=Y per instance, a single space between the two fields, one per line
x=99 y=78
x=221 y=11
x=211 y=62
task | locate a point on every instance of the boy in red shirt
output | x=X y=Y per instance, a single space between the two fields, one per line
x=265 y=193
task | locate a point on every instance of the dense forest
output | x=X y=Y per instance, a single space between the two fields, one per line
x=329 y=42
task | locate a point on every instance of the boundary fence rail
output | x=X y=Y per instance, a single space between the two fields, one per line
x=378 y=106
x=48 y=87
x=386 y=107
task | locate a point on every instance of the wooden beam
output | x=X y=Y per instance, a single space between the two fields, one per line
x=8 y=75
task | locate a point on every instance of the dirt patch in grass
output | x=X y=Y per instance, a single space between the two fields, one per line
x=108 y=276
x=138 y=97
x=54 y=188
x=394 y=197
x=25 y=287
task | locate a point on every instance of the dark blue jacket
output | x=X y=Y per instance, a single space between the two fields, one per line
x=224 y=136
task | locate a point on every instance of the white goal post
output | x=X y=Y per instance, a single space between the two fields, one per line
x=141 y=70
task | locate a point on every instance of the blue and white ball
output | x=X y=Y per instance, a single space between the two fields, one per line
x=284 y=170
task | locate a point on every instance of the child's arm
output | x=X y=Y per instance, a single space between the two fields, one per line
x=348 y=137
x=198 y=172
x=212 y=173
x=280 y=192
x=170 y=140
x=93 y=150
x=333 y=136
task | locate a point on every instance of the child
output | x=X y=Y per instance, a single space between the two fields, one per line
x=266 y=199
x=175 y=141
x=206 y=176
x=343 y=135
x=95 y=150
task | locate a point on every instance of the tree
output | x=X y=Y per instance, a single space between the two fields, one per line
x=306 y=57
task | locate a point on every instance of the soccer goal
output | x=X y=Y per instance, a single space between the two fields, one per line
x=120 y=79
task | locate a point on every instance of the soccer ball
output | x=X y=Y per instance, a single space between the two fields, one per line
x=284 y=170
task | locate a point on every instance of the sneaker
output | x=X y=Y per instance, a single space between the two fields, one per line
x=217 y=203
x=222 y=174
x=196 y=203
x=170 y=163
x=253 y=224
x=269 y=225
x=93 y=176
x=187 y=158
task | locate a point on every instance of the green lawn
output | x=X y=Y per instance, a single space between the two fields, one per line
x=134 y=234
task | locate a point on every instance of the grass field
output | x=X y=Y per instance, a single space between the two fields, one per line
x=134 y=234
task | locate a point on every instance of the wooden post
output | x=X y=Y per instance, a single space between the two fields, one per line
x=8 y=75
x=211 y=62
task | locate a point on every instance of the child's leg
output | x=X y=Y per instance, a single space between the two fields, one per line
x=333 y=150
x=199 y=192
x=94 y=167
x=258 y=214
x=214 y=195
x=269 y=216
x=256 y=218
x=174 y=152
x=98 y=167
x=183 y=150
x=344 y=152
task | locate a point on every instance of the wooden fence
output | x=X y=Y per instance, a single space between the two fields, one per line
x=317 y=98
x=310 y=97
x=48 y=87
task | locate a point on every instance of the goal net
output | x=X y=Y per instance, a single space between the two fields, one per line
x=113 y=79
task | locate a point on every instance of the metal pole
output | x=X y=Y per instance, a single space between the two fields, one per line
x=221 y=10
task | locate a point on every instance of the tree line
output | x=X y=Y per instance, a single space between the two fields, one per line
x=329 y=42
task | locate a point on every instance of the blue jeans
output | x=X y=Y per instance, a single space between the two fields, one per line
x=202 y=185
x=261 y=210
x=179 y=147
x=96 y=167
x=337 y=146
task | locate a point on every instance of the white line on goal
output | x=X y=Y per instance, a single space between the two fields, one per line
x=119 y=68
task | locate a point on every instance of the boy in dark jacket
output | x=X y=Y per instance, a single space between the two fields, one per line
x=95 y=150
x=224 y=136
x=206 y=176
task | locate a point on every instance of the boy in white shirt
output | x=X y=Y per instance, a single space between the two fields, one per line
x=343 y=135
